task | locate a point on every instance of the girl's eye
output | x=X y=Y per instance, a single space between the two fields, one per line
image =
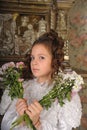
x=41 y=57
x=32 y=58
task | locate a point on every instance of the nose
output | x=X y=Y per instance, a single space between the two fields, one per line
x=35 y=62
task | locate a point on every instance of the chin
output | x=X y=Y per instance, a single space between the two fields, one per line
x=36 y=75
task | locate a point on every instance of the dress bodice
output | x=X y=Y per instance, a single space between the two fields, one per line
x=55 y=118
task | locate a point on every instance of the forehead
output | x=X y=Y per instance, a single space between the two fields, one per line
x=40 y=48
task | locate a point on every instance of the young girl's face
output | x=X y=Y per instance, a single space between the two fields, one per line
x=41 y=63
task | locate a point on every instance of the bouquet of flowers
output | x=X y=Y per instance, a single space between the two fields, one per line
x=10 y=76
x=65 y=86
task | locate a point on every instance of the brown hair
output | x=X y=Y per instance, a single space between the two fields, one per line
x=54 y=44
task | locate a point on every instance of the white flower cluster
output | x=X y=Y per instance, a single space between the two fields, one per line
x=78 y=80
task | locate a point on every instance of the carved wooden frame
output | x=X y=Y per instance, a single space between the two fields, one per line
x=31 y=9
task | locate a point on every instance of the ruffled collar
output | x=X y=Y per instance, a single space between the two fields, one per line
x=36 y=90
x=42 y=84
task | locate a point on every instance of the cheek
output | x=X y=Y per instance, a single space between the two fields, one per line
x=47 y=66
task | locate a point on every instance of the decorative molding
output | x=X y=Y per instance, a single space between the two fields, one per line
x=24 y=6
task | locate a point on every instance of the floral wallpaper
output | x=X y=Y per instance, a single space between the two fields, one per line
x=77 y=35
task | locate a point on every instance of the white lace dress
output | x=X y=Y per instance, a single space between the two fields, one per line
x=55 y=118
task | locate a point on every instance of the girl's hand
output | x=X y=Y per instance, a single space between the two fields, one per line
x=21 y=106
x=34 y=111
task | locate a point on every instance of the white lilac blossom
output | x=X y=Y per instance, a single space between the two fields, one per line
x=78 y=80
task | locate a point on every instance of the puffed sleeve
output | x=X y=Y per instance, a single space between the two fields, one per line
x=70 y=114
x=62 y=118
x=49 y=119
x=5 y=102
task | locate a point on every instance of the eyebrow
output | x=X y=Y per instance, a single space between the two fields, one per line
x=39 y=54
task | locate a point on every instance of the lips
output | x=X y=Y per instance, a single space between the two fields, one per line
x=35 y=70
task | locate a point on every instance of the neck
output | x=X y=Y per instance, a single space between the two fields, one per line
x=40 y=80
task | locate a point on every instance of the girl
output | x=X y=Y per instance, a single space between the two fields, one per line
x=46 y=58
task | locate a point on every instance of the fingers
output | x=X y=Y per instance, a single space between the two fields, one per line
x=37 y=124
x=20 y=101
x=37 y=104
x=35 y=107
x=21 y=106
x=34 y=111
x=33 y=116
